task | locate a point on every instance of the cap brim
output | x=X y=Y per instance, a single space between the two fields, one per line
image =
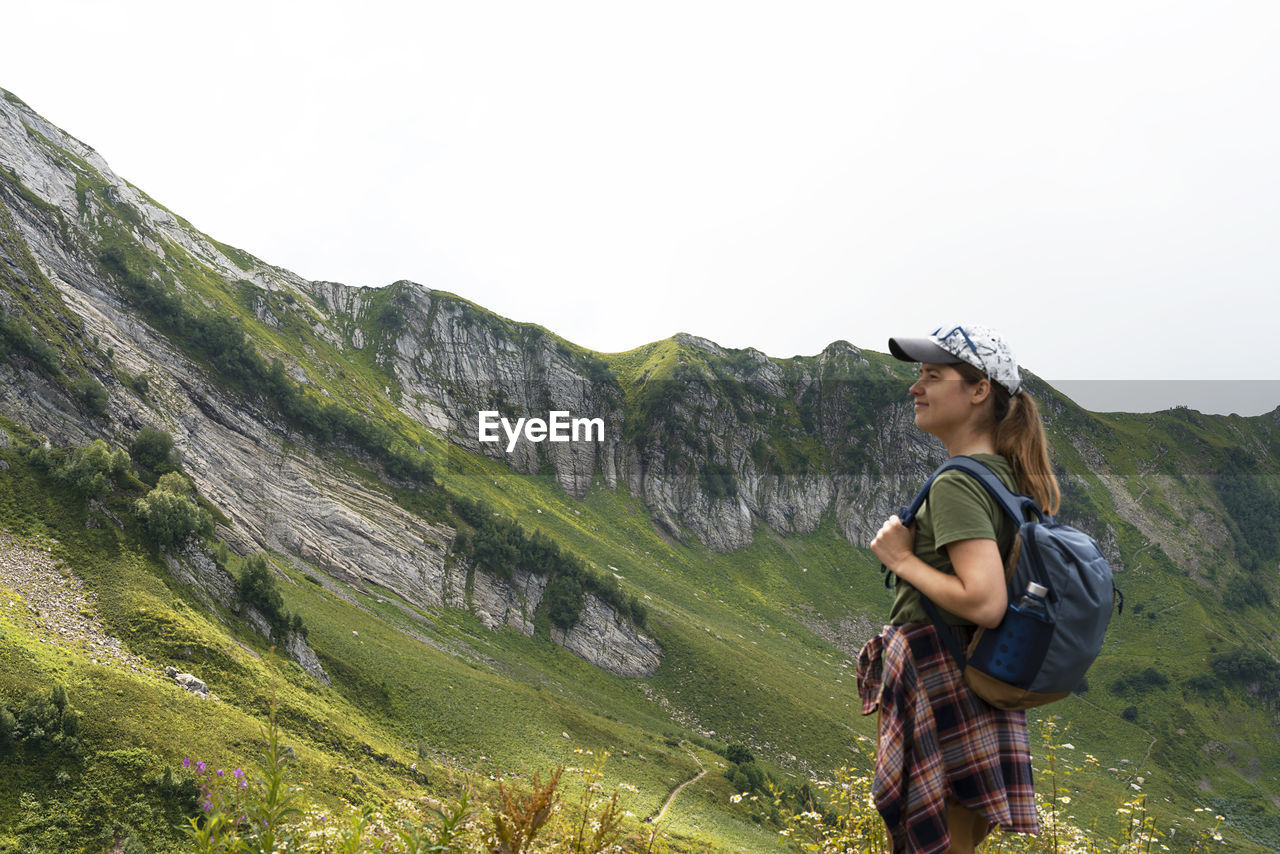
x=921 y=350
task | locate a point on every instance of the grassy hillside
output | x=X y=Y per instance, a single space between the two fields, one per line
x=744 y=658
x=758 y=643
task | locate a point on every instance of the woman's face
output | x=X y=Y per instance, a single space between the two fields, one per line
x=943 y=400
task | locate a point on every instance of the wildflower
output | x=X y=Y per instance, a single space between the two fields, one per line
x=237 y=773
x=733 y=799
x=200 y=766
x=186 y=762
x=219 y=772
x=1135 y=787
x=1065 y=799
x=1069 y=746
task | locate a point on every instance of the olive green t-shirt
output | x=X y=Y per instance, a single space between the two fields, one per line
x=958 y=508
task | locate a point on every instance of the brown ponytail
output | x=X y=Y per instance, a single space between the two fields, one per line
x=1020 y=438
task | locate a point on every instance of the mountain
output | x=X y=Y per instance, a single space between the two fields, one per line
x=692 y=577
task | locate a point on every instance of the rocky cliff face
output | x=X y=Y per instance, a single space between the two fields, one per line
x=61 y=202
x=714 y=441
x=722 y=413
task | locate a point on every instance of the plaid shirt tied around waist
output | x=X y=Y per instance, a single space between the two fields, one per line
x=939 y=741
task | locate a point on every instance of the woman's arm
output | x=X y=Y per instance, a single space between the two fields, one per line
x=976 y=592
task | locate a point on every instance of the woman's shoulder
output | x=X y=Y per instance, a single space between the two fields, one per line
x=958 y=485
x=1003 y=469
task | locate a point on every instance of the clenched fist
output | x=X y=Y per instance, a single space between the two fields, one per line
x=894 y=543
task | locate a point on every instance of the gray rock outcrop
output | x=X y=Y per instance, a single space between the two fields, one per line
x=280 y=492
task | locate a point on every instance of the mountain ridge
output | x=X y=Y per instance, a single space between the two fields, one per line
x=725 y=475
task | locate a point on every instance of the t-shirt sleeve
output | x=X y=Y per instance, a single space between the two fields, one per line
x=961 y=509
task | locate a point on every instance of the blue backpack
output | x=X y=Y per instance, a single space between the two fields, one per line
x=1036 y=655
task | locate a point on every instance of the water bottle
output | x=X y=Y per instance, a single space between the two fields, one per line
x=1022 y=639
x=1033 y=603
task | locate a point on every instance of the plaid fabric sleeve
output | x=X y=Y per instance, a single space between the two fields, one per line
x=938 y=742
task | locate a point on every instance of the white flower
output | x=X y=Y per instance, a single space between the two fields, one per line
x=733 y=799
x=1069 y=746
x=1065 y=799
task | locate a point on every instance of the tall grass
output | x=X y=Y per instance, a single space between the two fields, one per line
x=843 y=820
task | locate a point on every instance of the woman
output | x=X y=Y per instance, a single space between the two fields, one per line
x=949 y=766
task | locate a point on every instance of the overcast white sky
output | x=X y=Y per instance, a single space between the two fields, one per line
x=1100 y=181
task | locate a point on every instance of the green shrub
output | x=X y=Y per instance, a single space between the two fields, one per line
x=42 y=727
x=8 y=728
x=19 y=337
x=389 y=319
x=93 y=469
x=168 y=515
x=92 y=394
x=1141 y=682
x=257 y=587
x=1203 y=683
x=1240 y=593
x=152 y=449
x=1252 y=505
x=564 y=600
x=747 y=777
x=718 y=481
x=1251 y=668
x=499 y=545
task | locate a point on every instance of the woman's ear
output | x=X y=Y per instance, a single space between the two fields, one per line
x=980 y=391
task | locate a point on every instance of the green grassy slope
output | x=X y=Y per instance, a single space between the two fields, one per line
x=751 y=639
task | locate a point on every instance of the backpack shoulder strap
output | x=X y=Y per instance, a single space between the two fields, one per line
x=1014 y=505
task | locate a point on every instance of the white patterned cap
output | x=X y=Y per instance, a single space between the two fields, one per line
x=980 y=346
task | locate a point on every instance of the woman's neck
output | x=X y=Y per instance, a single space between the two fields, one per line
x=968 y=444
